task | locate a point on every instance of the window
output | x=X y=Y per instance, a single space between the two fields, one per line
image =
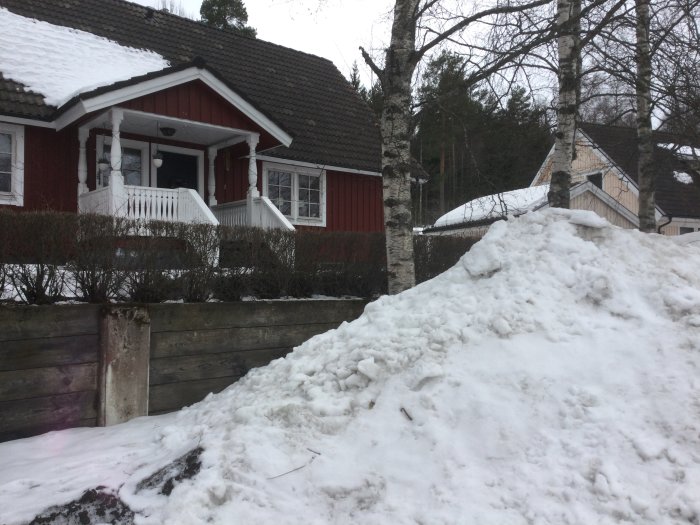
x=131 y=164
x=134 y=161
x=11 y=164
x=685 y=229
x=596 y=179
x=299 y=193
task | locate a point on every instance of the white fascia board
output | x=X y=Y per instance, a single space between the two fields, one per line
x=27 y=122
x=177 y=78
x=326 y=167
x=606 y=199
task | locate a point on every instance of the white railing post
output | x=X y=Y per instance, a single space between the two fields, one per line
x=212 y=176
x=252 y=140
x=82 y=162
x=118 y=197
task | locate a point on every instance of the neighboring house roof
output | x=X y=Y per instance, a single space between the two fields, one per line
x=496 y=206
x=488 y=209
x=306 y=95
x=677 y=183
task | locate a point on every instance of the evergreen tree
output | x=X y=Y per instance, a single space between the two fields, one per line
x=227 y=14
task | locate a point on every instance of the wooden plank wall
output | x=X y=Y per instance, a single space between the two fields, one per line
x=202 y=348
x=48 y=368
x=49 y=354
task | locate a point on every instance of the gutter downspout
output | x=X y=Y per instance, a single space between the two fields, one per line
x=670 y=219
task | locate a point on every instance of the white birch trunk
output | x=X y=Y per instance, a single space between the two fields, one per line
x=567 y=105
x=645 y=172
x=396 y=156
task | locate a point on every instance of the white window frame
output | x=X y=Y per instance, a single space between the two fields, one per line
x=15 y=197
x=126 y=143
x=296 y=171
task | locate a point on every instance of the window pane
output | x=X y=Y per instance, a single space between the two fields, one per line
x=5 y=163
x=5 y=143
x=131 y=159
x=131 y=177
x=303 y=209
x=5 y=182
x=279 y=190
x=314 y=210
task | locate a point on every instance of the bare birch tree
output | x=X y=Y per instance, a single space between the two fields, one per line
x=412 y=37
x=568 y=40
x=645 y=175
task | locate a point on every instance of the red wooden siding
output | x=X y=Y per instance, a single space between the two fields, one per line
x=50 y=169
x=197 y=101
x=354 y=202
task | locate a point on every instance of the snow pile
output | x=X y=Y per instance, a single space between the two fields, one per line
x=496 y=206
x=550 y=377
x=59 y=62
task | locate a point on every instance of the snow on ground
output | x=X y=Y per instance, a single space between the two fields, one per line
x=59 y=62
x=551 y=377
x=495 y=206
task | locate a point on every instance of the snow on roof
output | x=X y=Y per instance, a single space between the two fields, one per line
x=551 y=376
x=59 y=63
x=685 y=151
x=495 y=206
x=683 y=177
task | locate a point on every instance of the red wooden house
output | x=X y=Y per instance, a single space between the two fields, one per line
x=111 y=107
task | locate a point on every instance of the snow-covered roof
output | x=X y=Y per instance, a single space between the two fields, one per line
x=495 y=206
x=683 y=177
x=685 y=151
x=59 y=62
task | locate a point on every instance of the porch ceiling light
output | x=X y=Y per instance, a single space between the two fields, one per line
x=103 y=163
x=157 y=159
x=167 y=132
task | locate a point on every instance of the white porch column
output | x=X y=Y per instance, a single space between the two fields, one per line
x=252 y=141
x=82 y=162
x=212 y=176
x=118 y=200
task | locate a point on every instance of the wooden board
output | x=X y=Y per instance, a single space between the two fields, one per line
x=37 y=382
x=56 y=351
x=208 y=316
x=37 y=322
x=166 y=398
x=35 y=416
x=164 y=344
x=208 y=366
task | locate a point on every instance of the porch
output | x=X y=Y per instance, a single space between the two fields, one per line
x=150 y=179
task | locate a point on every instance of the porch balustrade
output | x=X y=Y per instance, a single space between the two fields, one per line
x=253 y=211
x=144 y=203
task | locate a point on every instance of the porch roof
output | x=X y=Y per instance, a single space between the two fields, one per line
x=119 y=92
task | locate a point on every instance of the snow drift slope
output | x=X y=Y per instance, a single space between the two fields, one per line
x=550 y=377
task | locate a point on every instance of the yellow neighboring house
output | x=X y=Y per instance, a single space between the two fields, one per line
x=604 y=180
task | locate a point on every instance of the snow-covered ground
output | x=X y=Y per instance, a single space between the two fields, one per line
x=551 y=377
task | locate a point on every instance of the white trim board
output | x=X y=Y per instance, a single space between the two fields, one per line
x=146 y=87
x=312 y=165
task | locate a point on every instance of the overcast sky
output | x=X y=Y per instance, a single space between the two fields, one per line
x=333 y=29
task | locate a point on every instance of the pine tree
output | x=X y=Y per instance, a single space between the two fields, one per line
x=227 y=14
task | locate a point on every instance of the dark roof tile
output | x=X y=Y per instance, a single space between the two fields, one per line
x=672 y=196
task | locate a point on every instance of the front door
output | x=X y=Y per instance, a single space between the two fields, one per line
x=178 y=171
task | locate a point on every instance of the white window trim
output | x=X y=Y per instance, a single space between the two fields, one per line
x=296 y=171
x=15 y=197
x=126 y=143
x=183 y=151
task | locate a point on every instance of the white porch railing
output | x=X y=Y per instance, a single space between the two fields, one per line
x=141 y=202
x=254 y=211
x=231 y=213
